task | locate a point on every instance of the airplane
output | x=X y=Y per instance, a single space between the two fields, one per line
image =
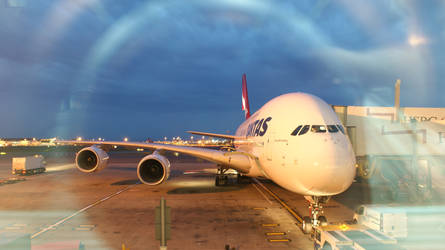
x=296 y=140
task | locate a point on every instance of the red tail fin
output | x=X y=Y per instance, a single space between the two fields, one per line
x=245 y=98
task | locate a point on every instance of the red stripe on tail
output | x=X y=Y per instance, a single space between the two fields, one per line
x=245 y=98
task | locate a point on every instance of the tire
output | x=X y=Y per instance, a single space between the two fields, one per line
x=323 y=221
x=306 y=225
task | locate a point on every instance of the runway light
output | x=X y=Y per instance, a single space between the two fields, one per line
x=79 y=138
x=125 y=139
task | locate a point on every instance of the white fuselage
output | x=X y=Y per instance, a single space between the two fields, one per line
x=316 y=163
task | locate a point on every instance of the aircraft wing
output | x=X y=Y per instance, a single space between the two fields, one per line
x=231 y=137
x=237 y=160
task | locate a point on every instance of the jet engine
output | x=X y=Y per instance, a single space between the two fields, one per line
x=153 y=169
x=91 y=159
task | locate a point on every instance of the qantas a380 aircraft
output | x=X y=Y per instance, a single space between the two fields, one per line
x=295 y=140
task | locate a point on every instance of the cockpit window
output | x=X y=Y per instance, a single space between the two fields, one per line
x=304 y=130
x=340 y=127
x=332 y=129
x=295 y=132
x=318 y=129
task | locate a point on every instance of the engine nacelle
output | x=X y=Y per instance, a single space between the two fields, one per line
x=153 y=169
x=91 y=159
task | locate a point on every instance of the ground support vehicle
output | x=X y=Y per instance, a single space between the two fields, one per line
x=346 y=236
x=28 y=165
x=389 y=220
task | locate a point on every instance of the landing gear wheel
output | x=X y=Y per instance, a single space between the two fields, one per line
x=307 y=225
x=221 y=178
x=323 y=221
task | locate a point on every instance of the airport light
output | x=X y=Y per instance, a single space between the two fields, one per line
x=125 y=139
x=416 y=40
x=79 y=138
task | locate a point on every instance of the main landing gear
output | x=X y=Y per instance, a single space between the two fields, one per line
x=316 y=209
x=222 y=176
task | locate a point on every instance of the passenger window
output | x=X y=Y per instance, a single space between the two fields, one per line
x=304 y=130
x=318 y=129
x=295 y=132
x=340 y=127
x=332 y=129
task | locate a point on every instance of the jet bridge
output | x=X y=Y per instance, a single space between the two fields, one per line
x=405 y=146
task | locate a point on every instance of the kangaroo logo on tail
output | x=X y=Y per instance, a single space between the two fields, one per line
x=245 y=98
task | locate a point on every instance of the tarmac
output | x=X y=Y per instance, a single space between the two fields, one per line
x=111 y=210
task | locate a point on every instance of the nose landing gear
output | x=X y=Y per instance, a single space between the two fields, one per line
x=316 y=209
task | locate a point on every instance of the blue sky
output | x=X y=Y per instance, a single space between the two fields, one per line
x=143 y=69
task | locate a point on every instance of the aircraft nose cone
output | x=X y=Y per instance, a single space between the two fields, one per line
x=333 y=171
x=340 y=175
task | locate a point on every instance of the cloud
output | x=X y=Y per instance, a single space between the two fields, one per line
x=98 y=66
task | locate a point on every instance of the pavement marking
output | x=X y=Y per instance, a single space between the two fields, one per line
x=15 y=226
x=84 y=228
x=275 y=233
x=261 y=192
x=278 y=240
x=290 y=210
x=87 y=225
x=270 y=225
x=81 y=211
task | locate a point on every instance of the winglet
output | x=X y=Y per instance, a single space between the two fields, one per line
x=245 y=98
